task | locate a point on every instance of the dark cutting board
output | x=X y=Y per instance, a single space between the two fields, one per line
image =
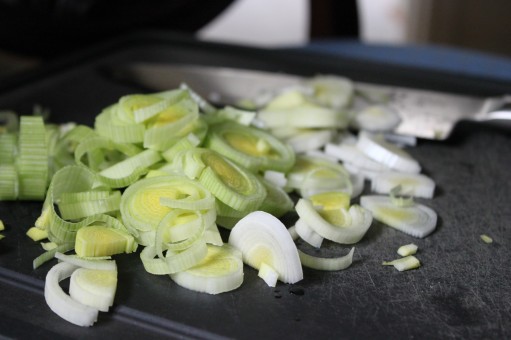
x=462 y=290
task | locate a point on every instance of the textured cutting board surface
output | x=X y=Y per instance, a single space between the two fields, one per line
x=462 y=290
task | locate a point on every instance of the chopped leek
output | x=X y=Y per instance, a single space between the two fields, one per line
x=377 y=118
x=262 y=238
x=416 y=185
x=338 y=225
x=62 y=304
x=332 y=91
x=94 y=287
x=416 y=220
x=268 y=274
x=322 y=263
x=404 y=263
x=408 y=249
x=220 y=271
x=96 y=240
x=376 y=148
x=486 y=239
x=37 y=234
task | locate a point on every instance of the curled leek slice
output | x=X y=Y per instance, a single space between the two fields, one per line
x=416 y=185
x=230 y=183
x=141 y=203
x=86 y=263
x=61 y=303
x=322 y=263
x=312 y=174
x=262 y=238
x=94 y=287
x=416 y=220
x=255 y=149
x=220 y=271
x=82 y=204
x=348 y=153
x=307 y=234
x=338 y=225
x=70 y=179
x=376 y=148
x=309 y=140
x=110 y=124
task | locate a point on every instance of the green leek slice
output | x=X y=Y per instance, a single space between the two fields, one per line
x=220 y=271
x=262 y=238
x=228 y=182
x=322 y=263
x=109 y=125
x=8 y=148
x=37 y=234
x=61 y=303
x=417 y=220
x=255 y=149
x=9 y=182
x=82 y=204
x=33 y=159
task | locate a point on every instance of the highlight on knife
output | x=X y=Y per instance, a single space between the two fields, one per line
x=422 y=113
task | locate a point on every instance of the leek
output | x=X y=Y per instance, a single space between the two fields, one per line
x=330 y=264
x=416 y=220
x=262 y=238
x=404 y=263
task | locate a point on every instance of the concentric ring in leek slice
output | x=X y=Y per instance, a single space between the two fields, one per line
x=220 y=271
x=94 y=287
x=109 y=125
x=262 y=238
x=338 y=225
x=230 y=183
x=416 y=220
x=141 y=209
x=255 y=149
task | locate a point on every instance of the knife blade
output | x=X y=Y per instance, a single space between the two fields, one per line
x=424 y=113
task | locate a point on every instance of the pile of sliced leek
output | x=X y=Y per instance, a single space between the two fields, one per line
x=160 y=172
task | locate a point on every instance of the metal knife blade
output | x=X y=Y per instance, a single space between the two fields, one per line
x=424 y=114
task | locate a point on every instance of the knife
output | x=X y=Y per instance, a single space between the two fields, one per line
x=424 y=113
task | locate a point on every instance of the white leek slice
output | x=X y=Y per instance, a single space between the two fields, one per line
x=220 y=271
x=308 y=140
x=332 y=91
x=293 y=233
x=262 y=238
x=61 y=303
x=276 y=178
x=307 y=234
x=376 y=148
x=408 y=249
x=322 y=263
x=94 y=287
x=404 y=263
x=416 y=185
x=417 y=220
x=268 y=274
x=349 y=227
x=349 y=153
x=377 y=118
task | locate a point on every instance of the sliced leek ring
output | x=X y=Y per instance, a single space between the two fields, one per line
x=332 y=91
x=255 y=149
x=416 y=185
x=220 y=271
x=376 y=148
x=94 y=287
x=62 y=304
x=417 y=220
x=307 y=234
x=349 y=225
x=262 y=238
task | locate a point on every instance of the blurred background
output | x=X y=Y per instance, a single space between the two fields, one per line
x=35 y=31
